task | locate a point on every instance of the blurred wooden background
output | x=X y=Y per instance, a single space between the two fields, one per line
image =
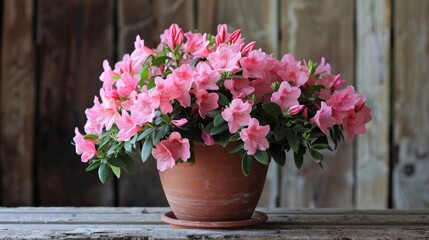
x=51 y=57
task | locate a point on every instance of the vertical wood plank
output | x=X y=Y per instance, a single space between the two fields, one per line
x=258 y=22
x=411 y=104
x=373 y=79
x=17 y=103
x=310 y=30
x=147 y=18
x=75 y=37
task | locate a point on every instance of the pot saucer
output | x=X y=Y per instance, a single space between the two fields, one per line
x=257 y=218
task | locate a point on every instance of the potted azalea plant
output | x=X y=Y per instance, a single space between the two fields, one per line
x=215 y=102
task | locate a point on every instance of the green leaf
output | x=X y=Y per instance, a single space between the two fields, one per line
x=272 y=108
x=209 y=128
x=321 y=146
x=158 y=61
x=157 y=135
x=246 y=164
x=224 y=138
x=213 y=113
x=293 y=141
x=195 y=61
x=316 y=88
x=223 y=100
x=93 y=165
x=114 y=149
x=144 y=74
x=316 y=155
x=278 y=154
x=279 y=132
x=299 y=159
x=103 y=172
x=236 y=148
x=91 y=136
x=128 y=163
x=146 y=133
x=116 y=171
x=117 y=162
x=262 y=157
x=146 y=149
x=235 y=138
x=218 y=120
x=219 y=129
x=128 y=147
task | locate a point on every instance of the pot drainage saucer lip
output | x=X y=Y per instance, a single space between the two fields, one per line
x=257 y=218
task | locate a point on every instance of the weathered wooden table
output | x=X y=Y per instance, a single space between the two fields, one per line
x=145 y=223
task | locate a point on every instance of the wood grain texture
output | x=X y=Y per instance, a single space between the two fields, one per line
x=147 y=18
x=17 y=103
x=373 y=79
x=411 y=104
x=73 y=44
x=311 y=30
x=258 y=22
x=113 y=223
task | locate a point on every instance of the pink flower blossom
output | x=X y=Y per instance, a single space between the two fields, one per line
x=127 y=84
x=291 y=71
x=205 y=77
x=172 y=36
x=94 y=124
x=254 y=137
x=248 y=48
x=127 y=127
x=183 y=77
x=355 y=122
x=165 y=91
x=197 y=44
x=208 y=139
x=295 y=109
x=107 y=76
x=84 y=147
x=206 y=102
x=323 y=118
x=344 y=100
x=237 y=114
x=254 y=64
x=168 y=151
x=143 y=109
x=179 y=122
x=239 y=86
x=225 y=59
x=104 y=114
x=322 y=67
x=127 y=65
x=222 y=34
x=262 y=87
x=286 y=96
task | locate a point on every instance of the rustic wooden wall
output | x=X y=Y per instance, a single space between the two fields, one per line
x=51 y=54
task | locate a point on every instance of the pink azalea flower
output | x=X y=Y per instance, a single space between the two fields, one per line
x=143 y=109
x=127 y=65
x=164 y=92
x=206 y=102
x=237 y=114
x=222 y=34
x=94 y=124
x=323 y=67
x=183 y=77
x=248 y=48
x=197 y=44
x=84 y=147
x=168 y=151
x=295 y=109
x=225 y=59
x=355 y=122
x=141 y=52
x=323 y=118
x=208 y=139
x=127 y=127
x=344 y=100
x=179 y=122
x=291 y=71
x=205 y=77
x=286 y=96
x=254 y=64
x=107 y=76
x=254 y=137
x=127 y=84
x=239 y=86
x=172 y=36
x=261 y=86
x=108 y=113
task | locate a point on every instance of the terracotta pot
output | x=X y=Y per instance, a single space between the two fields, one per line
x=214 y=188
